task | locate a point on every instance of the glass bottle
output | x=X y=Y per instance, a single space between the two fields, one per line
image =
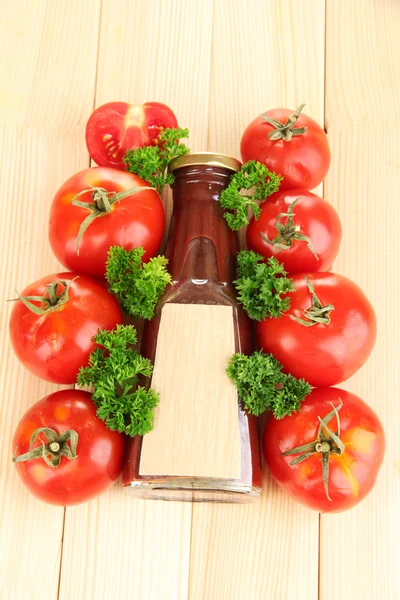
x=203 y=447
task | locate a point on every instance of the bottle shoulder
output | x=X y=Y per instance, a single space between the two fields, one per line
x=200 y=291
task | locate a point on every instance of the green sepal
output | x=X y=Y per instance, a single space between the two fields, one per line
x=51 y=457
x=332 y=441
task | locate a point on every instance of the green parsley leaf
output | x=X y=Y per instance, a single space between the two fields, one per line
x=261 y=285
x=151 y=162
x=261 y=385
x=114 y=370
x=261 y=183
x=137 y=285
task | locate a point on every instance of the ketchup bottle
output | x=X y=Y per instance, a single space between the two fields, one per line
x=203 y=446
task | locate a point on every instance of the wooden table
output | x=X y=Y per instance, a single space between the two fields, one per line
x=218 y=64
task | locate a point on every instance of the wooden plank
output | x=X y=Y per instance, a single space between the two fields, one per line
x=254 y=550
x=360 y=549
x=119 y=547
x=271 y=55
x=46 y=83
x=44 y=102
x=158 y=50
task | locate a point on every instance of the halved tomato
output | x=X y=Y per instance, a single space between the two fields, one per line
x=116 y=127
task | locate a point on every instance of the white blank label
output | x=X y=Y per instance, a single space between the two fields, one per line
x=196 y=429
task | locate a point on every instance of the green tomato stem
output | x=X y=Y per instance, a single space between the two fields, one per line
x=288 y=233
x=285 y=131
x=327 y=442
x=316 y=313
x=64 y=444
x=51 y=301
x=102 y=204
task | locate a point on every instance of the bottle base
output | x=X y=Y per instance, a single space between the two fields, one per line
x=187 y=490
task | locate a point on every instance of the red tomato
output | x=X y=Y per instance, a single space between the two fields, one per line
x=352 y=467
x=336 y=345
x=298 y=149
x=117 y=127
x=98 y=457
x=137 y=220
x=313 y=218
x=55 y=344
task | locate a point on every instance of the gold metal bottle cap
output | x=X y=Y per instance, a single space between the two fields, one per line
x=211 y=159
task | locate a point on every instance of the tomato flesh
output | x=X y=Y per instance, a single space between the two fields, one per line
x=54 y=346
x=323 y=355
x=116 y=127
x=100 y=451
x=351 y=475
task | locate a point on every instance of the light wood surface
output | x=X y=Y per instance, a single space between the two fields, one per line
x=45 y=100
x=218 y=64
x=363 y=86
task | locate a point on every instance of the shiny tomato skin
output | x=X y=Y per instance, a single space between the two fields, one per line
x=54 y=346
x=303 y=162
x=100 y=451
x=137 y=220
x=323 y=355
x=351 y=475
x=116 y=127
x=316 y=218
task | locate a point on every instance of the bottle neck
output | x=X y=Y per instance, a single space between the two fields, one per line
x=201 y=247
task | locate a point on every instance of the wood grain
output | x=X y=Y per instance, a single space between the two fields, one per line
x=119 y=547
x=158 y=50
x=44 y=102
x=48 y=65
x=360 y=549
x=236 y=550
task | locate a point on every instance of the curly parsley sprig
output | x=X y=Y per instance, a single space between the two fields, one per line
x=258 y=181
x=262 y=385
x=136 y=284
x=262 y=286
x=151 y=162
x=114 y=370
